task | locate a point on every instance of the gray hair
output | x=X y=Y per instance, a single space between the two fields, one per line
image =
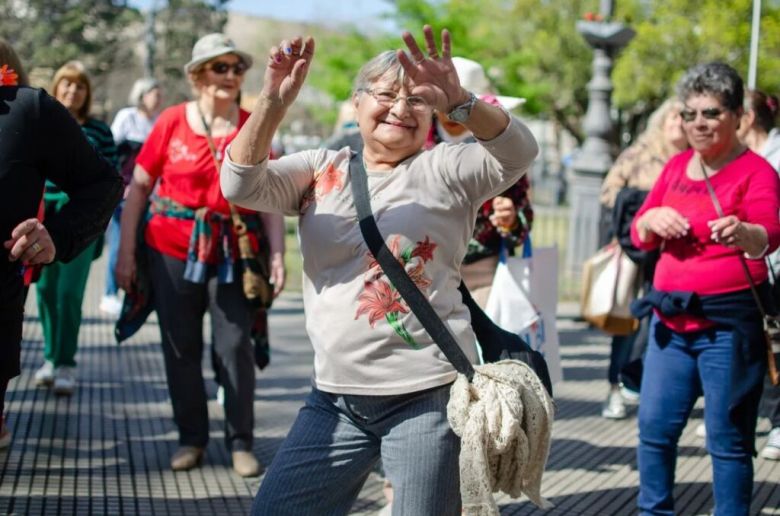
x=384 y=64
x=717 y=79
x=140 y=88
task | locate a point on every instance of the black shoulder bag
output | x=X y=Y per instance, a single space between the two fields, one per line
x=496 y=343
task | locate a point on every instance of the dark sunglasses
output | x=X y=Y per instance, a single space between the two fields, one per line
x=221 y=67
x=689 y=115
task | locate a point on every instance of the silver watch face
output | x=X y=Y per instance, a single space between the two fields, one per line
x=460 y=114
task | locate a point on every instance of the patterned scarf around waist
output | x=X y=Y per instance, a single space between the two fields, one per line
x=212 y=239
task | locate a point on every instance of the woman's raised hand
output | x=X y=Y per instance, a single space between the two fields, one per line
x=287 y=67
x=433 y=76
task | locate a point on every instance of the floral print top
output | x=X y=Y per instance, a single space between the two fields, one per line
x=365 y=337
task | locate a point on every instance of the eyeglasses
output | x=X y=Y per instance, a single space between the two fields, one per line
x=689 y=115
x=388 y=98
x=221 y=67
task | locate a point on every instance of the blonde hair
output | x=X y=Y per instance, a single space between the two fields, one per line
x=9 y=57
x=653 y=135
x=74 y=71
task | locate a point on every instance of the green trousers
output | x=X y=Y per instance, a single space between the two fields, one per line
x=60 y=294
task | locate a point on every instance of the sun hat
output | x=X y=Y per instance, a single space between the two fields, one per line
x=212 y=45
x=473 y=78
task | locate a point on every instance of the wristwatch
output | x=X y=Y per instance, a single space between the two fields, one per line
x=462 y=112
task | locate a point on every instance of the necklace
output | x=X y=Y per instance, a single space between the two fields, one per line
x=218 y=152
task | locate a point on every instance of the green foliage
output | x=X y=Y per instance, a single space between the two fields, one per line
x=531 y=48
x=676 y=34
x=48 y=33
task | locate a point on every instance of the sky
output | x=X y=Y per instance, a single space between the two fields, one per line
x=328 y=11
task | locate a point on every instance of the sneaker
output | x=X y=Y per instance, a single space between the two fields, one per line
x=5 y=434
x=614 y=407
x=111 y=305
x=772 y=449
x=44 y=376
x=701 y=431
x=64 y=380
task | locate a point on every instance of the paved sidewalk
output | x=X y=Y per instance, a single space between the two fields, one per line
x=106 y=449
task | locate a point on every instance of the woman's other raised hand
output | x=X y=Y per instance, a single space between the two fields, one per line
x=433 y=76
x=288 y=65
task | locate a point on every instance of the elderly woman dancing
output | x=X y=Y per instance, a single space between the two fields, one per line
x=706 y=334
x=381 y=384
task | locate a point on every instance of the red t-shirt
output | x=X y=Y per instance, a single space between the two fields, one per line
x=749 y=188
x=183 y=163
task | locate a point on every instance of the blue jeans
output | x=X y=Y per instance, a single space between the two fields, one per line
x=678 y=368
x=112 y=238
x=337 y=440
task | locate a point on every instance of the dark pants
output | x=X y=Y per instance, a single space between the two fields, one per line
x=770 y=402
x=619 y=356
x=180 y=307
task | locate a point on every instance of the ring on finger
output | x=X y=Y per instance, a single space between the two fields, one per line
x=36 y=247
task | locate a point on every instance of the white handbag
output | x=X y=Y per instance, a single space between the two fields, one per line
x=610 y=282
x=524 y=300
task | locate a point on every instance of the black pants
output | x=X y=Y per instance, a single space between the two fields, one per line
x=180 y=306
x=770 y=402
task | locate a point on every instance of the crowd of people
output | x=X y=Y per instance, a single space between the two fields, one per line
x=696 y=198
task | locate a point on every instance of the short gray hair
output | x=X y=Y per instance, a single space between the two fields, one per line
x=717 y=79
x=386 y=63
x=140 y=88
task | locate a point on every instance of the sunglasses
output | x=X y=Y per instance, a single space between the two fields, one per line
x=689 y=115
x=221 y=67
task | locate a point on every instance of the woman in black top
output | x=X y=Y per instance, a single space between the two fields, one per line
x=41 y=141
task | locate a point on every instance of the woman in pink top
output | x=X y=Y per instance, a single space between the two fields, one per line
x=706 y=335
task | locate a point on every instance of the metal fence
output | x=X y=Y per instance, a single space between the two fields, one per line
x=551 y=228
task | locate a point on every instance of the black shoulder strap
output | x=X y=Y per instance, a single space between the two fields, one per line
x=420 y=306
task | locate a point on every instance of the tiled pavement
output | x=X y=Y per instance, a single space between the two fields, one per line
x=106 y=449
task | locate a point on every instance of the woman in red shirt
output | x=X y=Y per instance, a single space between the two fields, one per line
x=706 y=332
x=193 y=250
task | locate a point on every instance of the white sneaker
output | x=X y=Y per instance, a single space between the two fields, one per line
x=111 y=305
x=64 y=380
x=44 y=376
x=701 y=431
x=772 y=449
x=614 y=407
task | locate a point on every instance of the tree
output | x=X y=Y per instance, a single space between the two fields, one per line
x=531 y=49
x=179 y=24
x=48 y=33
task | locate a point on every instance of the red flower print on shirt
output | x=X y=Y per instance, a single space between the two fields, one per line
x=324 y=183
x=380 y=298
x=331 y=179
x=425 y=249
x=377 y=300
x=8 y=77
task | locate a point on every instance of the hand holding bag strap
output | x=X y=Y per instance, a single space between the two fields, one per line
x=774 y=375
x=418 y=303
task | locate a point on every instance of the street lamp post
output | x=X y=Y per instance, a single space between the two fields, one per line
x=595 y=157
